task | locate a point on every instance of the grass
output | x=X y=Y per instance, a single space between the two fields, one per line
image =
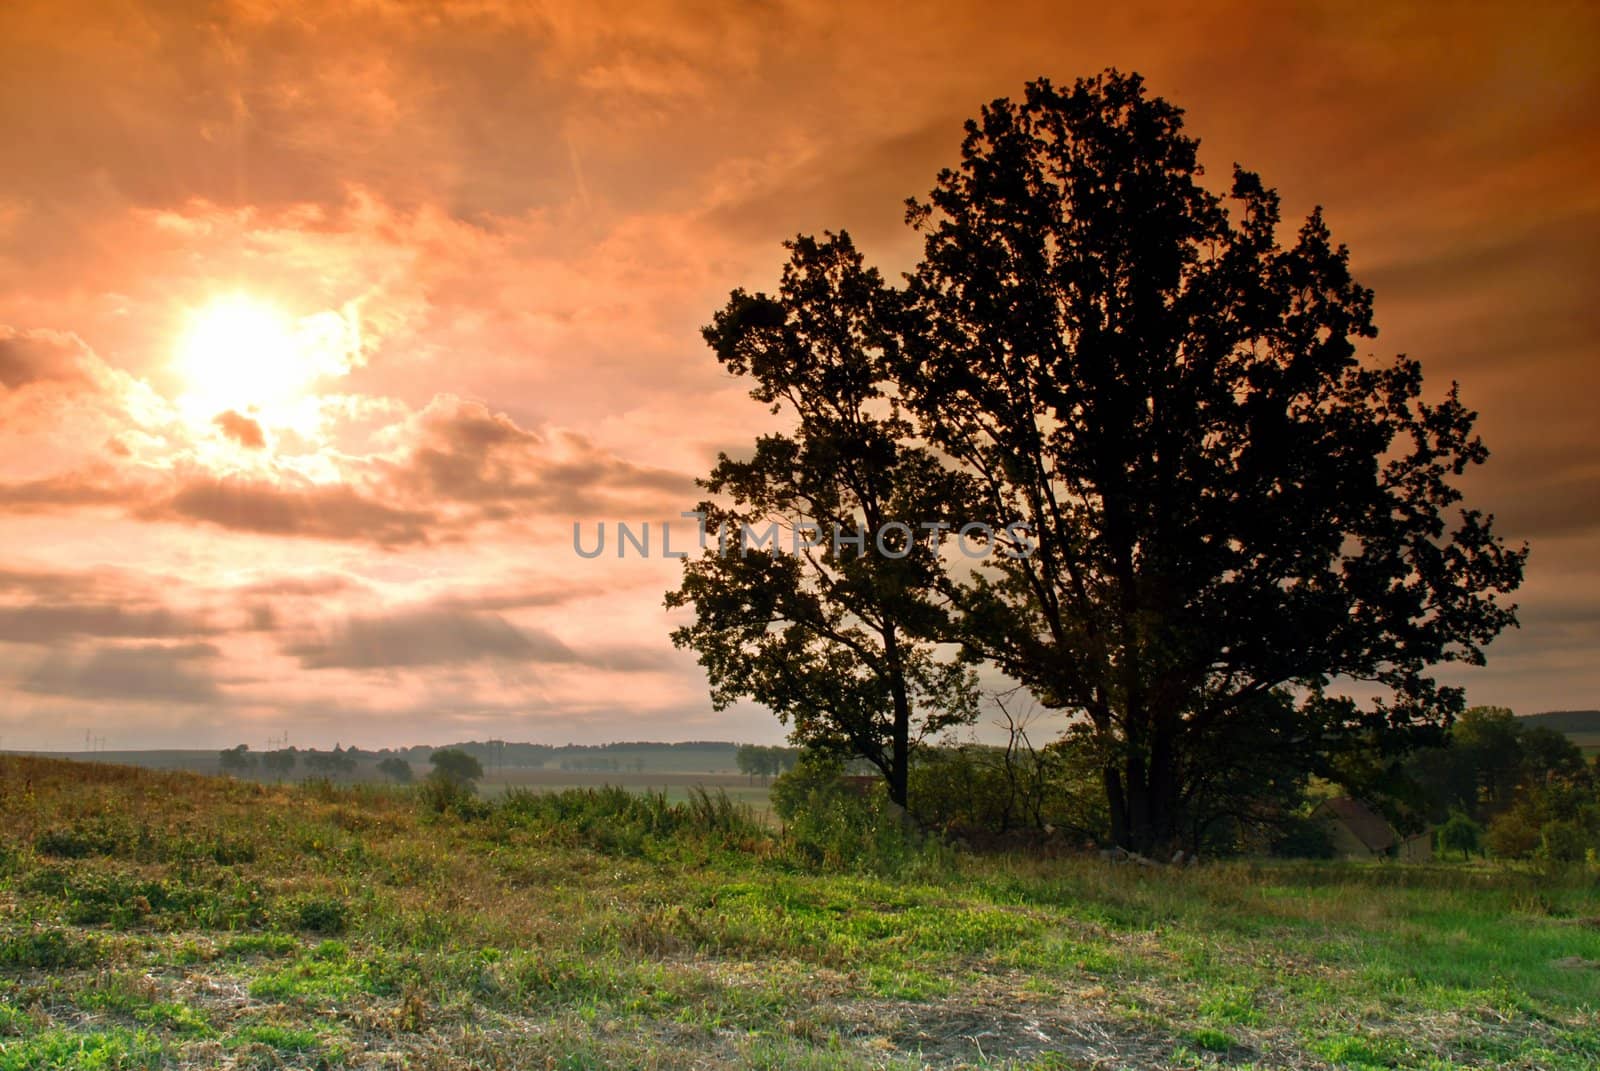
x=171 y=920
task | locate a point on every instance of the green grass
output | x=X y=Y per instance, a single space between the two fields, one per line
x=169 y=920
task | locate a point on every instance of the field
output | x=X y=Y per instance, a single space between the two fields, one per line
x=676 y=786
x=154 y=919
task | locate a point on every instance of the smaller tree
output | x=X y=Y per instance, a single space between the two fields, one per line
x=336 y=761
x=456 y=767
x=279 y=762
x=818 y=599
x=1460 y=834
x=237 y=758
x=396 y=769
x=749 y=760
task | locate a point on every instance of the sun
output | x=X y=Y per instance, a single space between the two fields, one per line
x=243 y=354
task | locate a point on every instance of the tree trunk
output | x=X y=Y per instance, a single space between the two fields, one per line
x=900 y=761
x=1119 y=806
x=1143 y=798
x=900 y=757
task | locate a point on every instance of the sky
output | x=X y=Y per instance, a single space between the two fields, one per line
x=322 y=324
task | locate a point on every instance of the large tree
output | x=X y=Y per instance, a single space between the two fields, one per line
x=833 y=624
x=1227 y=503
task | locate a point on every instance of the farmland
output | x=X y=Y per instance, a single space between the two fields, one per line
x=165 y=919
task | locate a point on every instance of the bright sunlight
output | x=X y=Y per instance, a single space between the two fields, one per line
x=243 y=354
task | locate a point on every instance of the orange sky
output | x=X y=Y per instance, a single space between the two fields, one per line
x=485 y=234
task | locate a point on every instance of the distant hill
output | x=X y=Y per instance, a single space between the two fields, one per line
x=1582 y=727
x=639 y=757
x=1567 y=721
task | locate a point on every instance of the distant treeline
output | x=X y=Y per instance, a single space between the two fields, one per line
x=1565 y=721
x=624 y=755
x=613 y=756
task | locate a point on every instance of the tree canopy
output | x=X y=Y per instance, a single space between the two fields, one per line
x=818 y=598
x=456 y=767
x=1229 y=511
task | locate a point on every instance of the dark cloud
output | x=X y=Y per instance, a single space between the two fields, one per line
x=241 y=429
x=97 y=486
x=143 y=673
x=441 y=634
x=429 y=637
x=460 y=465
x=514 y=596
x=466 y=453
x=46 y=624
x=315 y=585
x=54 y=584
x=41 y=356
x=54 y=608
x=304 y=510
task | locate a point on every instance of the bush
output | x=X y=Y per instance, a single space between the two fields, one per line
x=87 y=839
x=963 y=788
x=618 y=822
x=322 y=915
x=396 y=769
x=125 y=901
x=976 y=789
x=48 y=949
x=1513 y=835
x=1460 y=834
x=442 y=795
x=456 y=766
x=1303 y=837
x=1563 y=841
x=829 y=826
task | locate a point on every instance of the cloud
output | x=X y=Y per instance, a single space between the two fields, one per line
x=143 y=673
x=41 y=356
x=313 y=585
x=302 y=510
x=241 y=429
x=464 y=452
x=429 y=637
x=58 y=608
x=443 y=635
x=46 y=624
x=100 y=485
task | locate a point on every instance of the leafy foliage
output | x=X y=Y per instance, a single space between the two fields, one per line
x=396 y=769
x=455 y=766
x=1225 y=508
x=837 y=632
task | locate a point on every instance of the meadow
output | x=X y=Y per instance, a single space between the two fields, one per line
x=156 y=919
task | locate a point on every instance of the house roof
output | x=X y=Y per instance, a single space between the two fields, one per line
x=1368 y=826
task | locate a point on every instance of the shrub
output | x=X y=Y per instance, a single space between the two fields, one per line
x=456 y=766
x=84 y=840
x=396 y=769
x=1513 y=835
x=619 y=822
x=441 y=795
x=1563 y=841
x=1460 y=834
x=322 y=914
x=964 y=788
x=47 y=949
x=1303 y=837
x=829 y=826
x=125 y=901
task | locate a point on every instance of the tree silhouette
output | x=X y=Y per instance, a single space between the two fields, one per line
x=396 y=769
x=454 y=766
x=237 y=758
x=1228 y=510
x=832 y=631
x=1225 y=500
